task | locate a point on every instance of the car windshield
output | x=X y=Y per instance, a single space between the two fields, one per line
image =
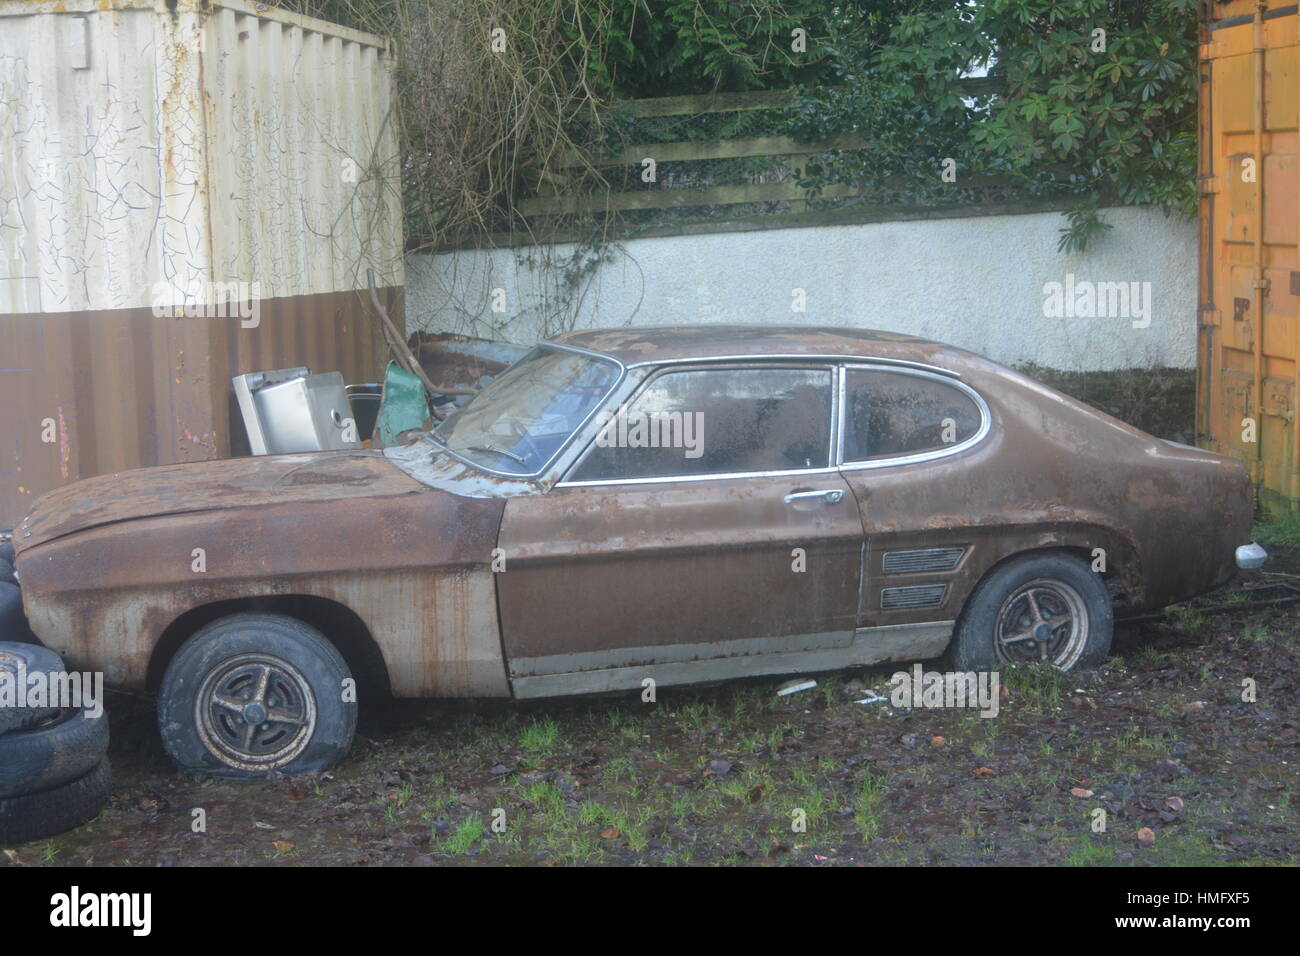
x=518 y=422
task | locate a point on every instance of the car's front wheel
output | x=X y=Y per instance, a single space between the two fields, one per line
x=1036 y=609
x=251 y=693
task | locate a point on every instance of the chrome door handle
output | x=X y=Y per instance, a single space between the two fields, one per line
x=831 y=497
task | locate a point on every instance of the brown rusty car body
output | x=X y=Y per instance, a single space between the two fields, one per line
x=438 y=576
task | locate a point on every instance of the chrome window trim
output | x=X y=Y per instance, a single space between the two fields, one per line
x=665 y=368
x=986 y=419
x=794 y=356
x=837 y=403
x=536 y=475
x=680 y=478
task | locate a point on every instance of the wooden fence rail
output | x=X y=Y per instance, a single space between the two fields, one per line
x=783 y=150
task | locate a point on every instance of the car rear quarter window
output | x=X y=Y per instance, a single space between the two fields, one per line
x=700 y=422
x=895 y=414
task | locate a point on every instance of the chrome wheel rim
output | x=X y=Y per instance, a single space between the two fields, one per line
x=255 y=712
x=1042 y=622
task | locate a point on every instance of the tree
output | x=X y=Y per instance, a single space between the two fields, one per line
x=1097 y=102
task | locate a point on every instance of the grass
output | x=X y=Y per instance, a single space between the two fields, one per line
x=1281 y=530
x=463 y=838
x=1091 y=854
x=1037 y=685
x=546 y=797
x=1187 y=618
x=779 y=776
x=539 y=736
x=869 y=805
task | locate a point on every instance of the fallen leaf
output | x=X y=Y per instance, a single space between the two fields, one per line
x=295 y=793
x=1147 y=836
x=282 y=846
x=610 y=834
x=1080 y=792
x=937 y=741
x=985 y=772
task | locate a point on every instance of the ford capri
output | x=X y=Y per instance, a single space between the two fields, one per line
x=677 y=505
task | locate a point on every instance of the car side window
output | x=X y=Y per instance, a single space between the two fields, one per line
x=697 y=422
x=891 y=414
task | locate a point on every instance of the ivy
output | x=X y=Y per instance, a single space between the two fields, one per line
x=1091 y=117
x=671 y=47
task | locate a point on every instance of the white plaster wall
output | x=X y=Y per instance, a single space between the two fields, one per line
x=973 y=282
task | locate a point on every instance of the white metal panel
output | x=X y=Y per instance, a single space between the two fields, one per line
x=193 y=145
x=303 y=155
x=79 y=162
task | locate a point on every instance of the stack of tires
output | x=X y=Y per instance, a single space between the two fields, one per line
x=13 y=622
x=54 y=774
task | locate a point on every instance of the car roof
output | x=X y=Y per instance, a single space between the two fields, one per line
x=654 y=346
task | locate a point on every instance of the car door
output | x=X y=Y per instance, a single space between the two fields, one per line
x=705 y=530
x=907 y=450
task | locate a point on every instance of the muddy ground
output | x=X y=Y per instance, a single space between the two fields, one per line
x=1160 y=739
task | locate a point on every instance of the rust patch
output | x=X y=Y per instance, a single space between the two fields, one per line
x=412 y=562
x=201 y=486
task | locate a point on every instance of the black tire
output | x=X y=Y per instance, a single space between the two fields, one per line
x=302 y=677
x=7 y=571
x=13 y=620
x=34 y=816
x=57 y=752
x=998 y=626
x=7 y=551
x=16 y=660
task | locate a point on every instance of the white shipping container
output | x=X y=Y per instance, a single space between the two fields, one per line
x=189 y=190
x=146 y=141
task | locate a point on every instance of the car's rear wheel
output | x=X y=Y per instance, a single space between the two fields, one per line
x=1036 y=609
x=253 y=693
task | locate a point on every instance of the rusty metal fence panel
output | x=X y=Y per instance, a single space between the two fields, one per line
x=1250 y=219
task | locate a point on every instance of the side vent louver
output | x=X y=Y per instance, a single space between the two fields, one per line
x=924 y=559
x=919 y=595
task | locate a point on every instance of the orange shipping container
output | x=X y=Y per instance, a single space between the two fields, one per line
x=1249 y=180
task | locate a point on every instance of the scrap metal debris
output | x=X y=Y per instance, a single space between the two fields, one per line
x=794 y=686
x=872 y=698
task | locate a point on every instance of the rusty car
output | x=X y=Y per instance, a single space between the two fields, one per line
x=847 y=498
